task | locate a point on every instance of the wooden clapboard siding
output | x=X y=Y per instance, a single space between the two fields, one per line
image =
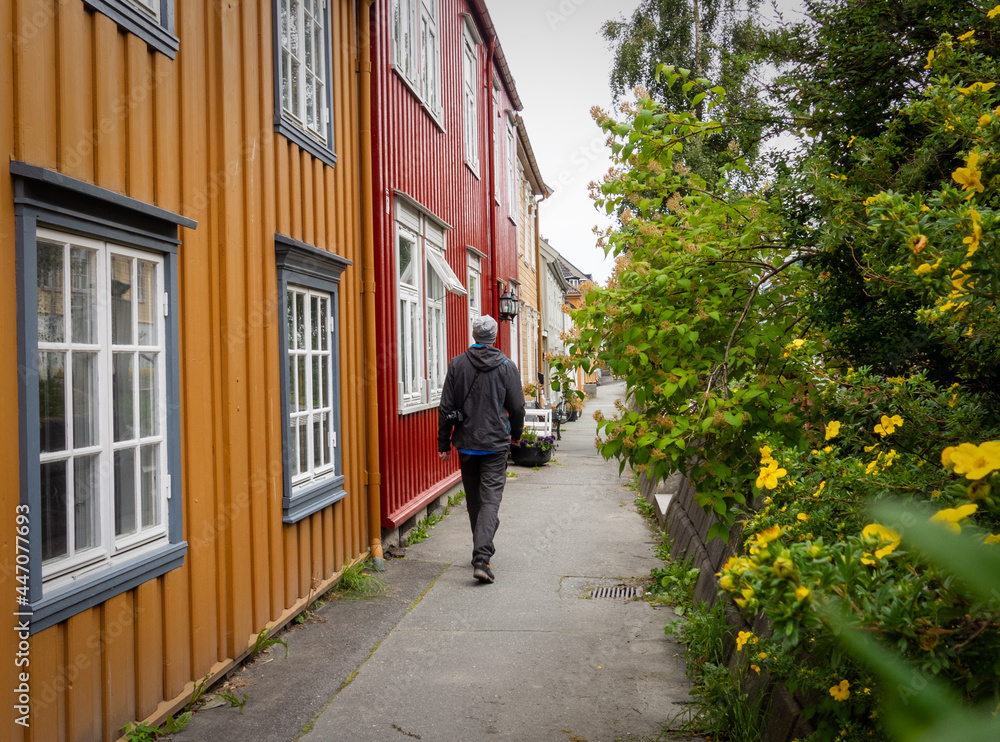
x=193 y=135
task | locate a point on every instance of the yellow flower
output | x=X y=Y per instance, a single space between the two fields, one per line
x=995 y=538
x=832 y=429
x=840 y=692
x=802 y=592
x=984 y=86
x=984 y=119
x=762 y=655
x=765 y=454
x=851 y=140
x=993 y=13
x=783 y=568
x=975 y=462
x=917 y=243
x=827 y=449
x=798 y=342
x=755 y=669
x=768 y=535
x=726 y=582
x=967 y=35
x=968 y=176
x=886 y=537
x=930 y=58
x=949 y=517
x=887 y=425
x=770 y=475
x=822 y=486
x=744 y=637
x=804 y=517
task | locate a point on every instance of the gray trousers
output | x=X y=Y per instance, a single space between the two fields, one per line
x=483 y=477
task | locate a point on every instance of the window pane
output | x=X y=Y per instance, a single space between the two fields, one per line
x=406 y=260
x=52 y=400
x=303 y=446
x=324 y=314
x=435 y=286
x=290 y=318
x=296 y=97
x=293 y=383
x=124 y=492
x=150 y=479
x=317 y=442
x=85 y=432
x=84 y=295
x=86 y=502
x=324 y=381
x=293 y=445
x=317 y=383
x=303 y=391
x=121 y=382
x=294 y=29
x=53 y=483
x=146 y=278
x=300 y=321
x=314 y=322
x=286 y=87
x=121 y=300
x=327 y=437
x=51 y=312
x=148 y=412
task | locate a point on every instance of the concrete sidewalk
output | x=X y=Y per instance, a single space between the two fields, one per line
x=529 y=658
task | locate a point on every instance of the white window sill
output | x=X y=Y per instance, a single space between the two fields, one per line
x=409 y=410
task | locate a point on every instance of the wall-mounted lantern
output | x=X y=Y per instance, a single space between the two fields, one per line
x=509 y=306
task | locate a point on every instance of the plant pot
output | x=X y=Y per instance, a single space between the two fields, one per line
x=528 y=455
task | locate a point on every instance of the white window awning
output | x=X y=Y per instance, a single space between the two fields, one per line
x=445 y=273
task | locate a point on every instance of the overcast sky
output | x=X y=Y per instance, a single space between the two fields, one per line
x=560 y=65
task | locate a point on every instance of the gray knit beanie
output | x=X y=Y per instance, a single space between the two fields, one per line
x=484 y=330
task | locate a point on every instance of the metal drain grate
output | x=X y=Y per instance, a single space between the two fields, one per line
x=623 y=592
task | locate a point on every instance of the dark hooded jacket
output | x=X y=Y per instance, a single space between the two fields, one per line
x=493 y=411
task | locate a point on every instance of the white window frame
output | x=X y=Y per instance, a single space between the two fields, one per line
x=498 y=145
x=152 y=7
x=422 y=320
x=110 y=548
x=409 y=321
x=308 y=414
x=511 y=171
x=474 y=282
x=436 y=310
x=470 y=99
x=416 y=55
x=310 y=25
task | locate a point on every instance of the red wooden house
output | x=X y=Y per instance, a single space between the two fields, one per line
x=445 y=194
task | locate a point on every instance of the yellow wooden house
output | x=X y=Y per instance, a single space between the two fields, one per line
x=186 y=327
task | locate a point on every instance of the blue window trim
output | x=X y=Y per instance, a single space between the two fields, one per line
x=44 y=198
x=157 y=34
x=300 y=264
x=283 y=123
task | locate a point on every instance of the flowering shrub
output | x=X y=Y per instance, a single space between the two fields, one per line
x=736 y=329
x=530 y=438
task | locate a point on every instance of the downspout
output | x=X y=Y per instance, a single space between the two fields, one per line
x=491 y=248
x=374 y=478
x=538 y=292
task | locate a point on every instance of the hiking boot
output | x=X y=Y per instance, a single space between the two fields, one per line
x=482 y=572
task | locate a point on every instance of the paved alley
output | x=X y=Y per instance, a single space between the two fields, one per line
x=530 y=657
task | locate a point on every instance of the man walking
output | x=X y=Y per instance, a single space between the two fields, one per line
x=481 y=412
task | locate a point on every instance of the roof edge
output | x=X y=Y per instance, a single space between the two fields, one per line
x=501 y=59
